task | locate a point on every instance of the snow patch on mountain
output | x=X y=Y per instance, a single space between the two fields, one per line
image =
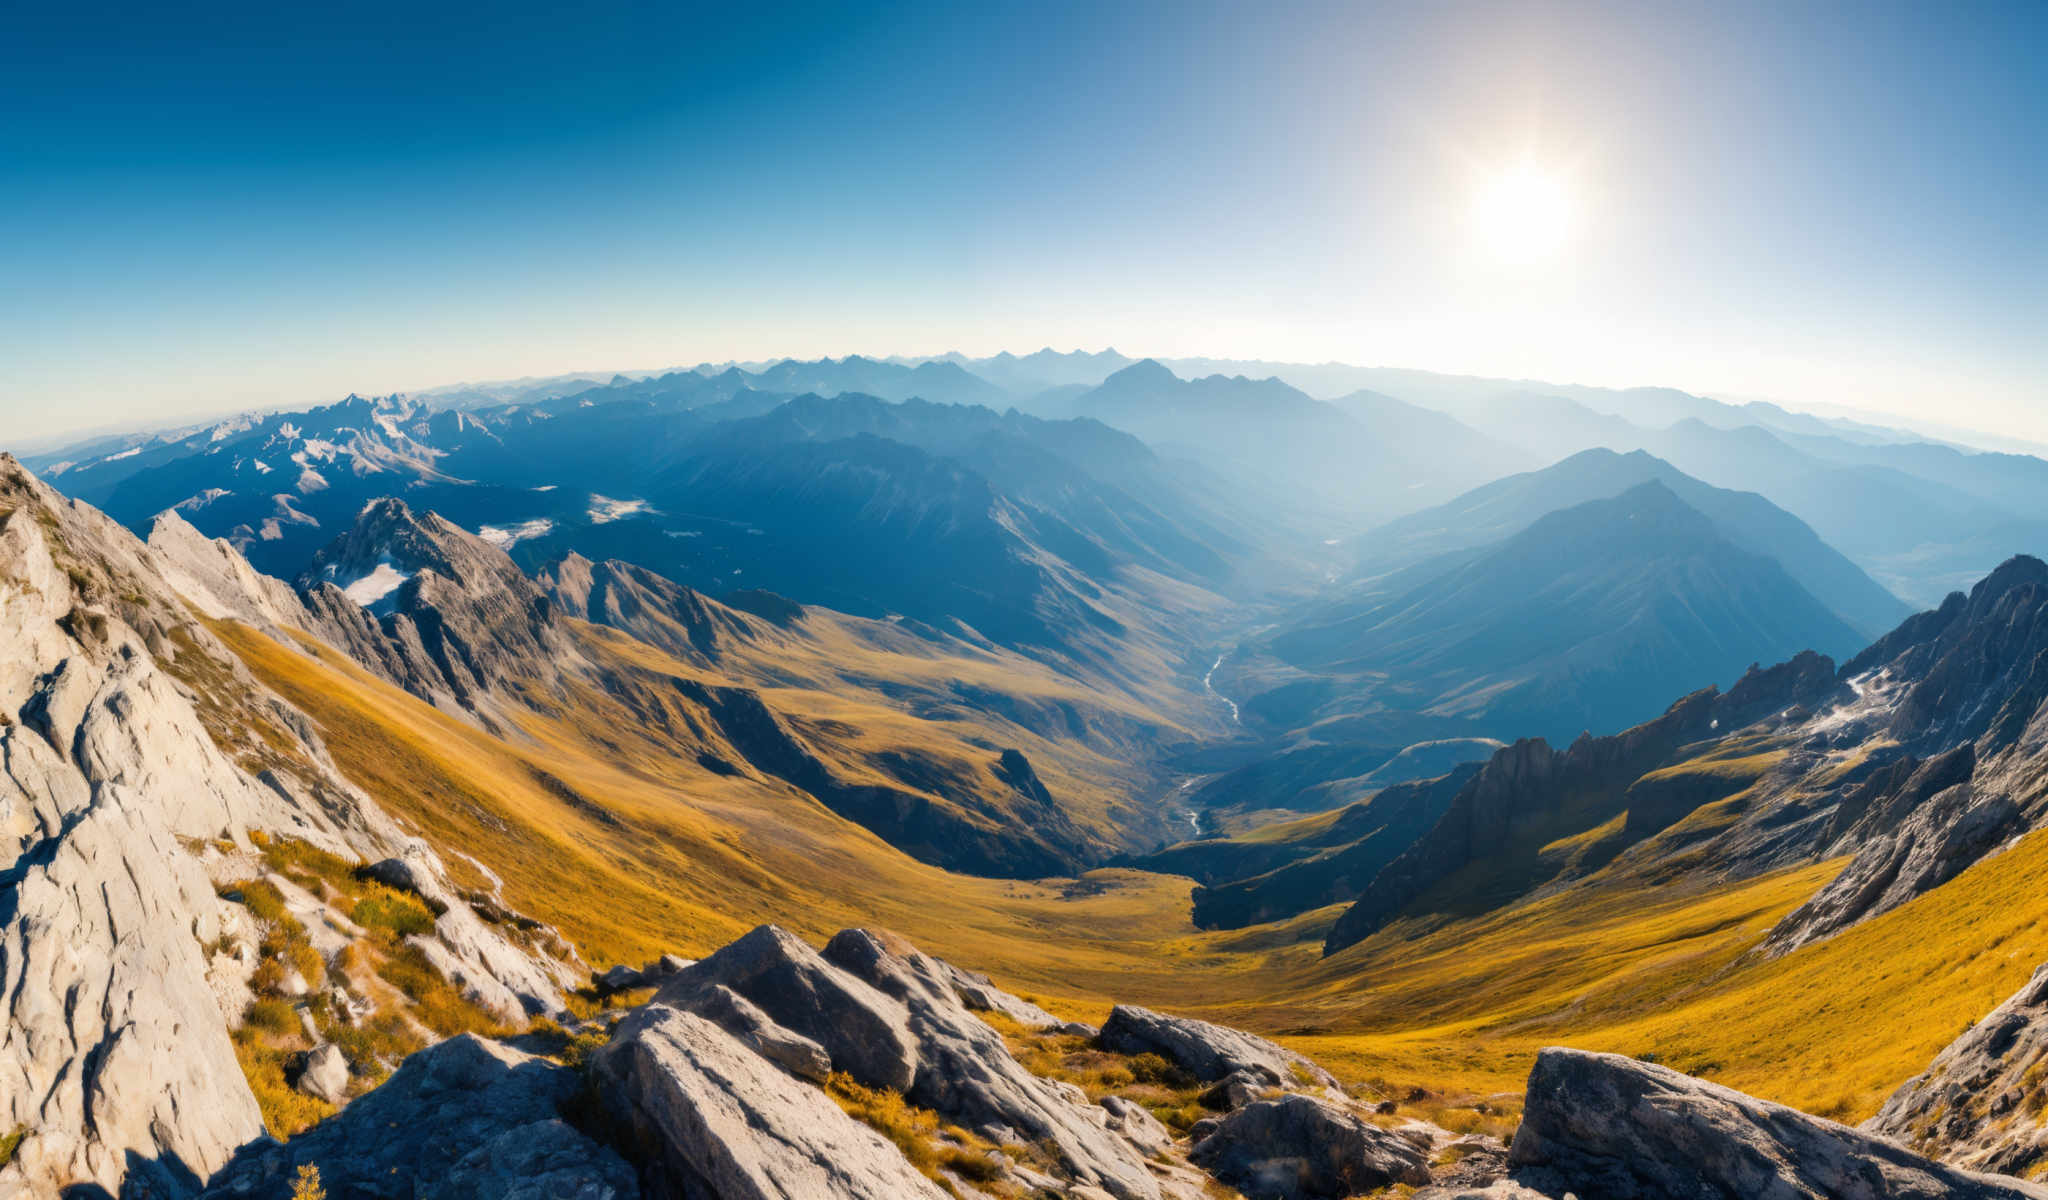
x=504 y=537
x=382 y=580
x=604 y=509
x=195 y=503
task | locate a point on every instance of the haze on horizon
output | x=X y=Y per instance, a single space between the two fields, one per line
x=259 y=207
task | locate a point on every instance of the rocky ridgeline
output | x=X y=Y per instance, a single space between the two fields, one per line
x=137 y=759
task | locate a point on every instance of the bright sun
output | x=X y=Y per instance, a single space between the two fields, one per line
x=1522 y=214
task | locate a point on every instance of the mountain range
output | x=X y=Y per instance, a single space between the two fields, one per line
x=619 y=786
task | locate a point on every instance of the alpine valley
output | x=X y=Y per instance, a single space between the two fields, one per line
x=1047 y=775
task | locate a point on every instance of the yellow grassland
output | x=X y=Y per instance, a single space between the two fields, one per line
x=677 y=858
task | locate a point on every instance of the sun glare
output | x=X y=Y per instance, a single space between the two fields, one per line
x=1522 y=215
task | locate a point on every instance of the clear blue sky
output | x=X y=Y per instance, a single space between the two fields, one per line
x=218 y=206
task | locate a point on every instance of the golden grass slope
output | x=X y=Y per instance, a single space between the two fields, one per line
x=631 y=851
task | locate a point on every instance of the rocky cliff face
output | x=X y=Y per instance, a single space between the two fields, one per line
x=133 y=752
x=1960 y=691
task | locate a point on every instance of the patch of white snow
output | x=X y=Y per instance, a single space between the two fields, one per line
x=504 y=537
x=604 y=510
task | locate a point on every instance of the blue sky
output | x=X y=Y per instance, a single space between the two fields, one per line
x=237 y=205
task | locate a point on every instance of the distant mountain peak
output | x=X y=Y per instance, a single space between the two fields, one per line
x=1145 y=370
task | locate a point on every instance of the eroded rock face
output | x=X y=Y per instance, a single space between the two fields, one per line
x=1980 y=1104
x=1606 y=1127
x=711 y=1118
x=866 y=1033
x=1209 y=1052
x=966 y=1072
x=124 y=726
x=1298 y=1146
x=1916 y=826
x=114 y=1051
x=757 y=1031
x=465 y=1120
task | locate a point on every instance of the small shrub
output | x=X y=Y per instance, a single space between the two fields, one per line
x=263 y=901
x=370 y=1047
x=11 y=1143
x=307 y=1185
x=272 y=1016
x=889 y=1114
x=973 y=1165
x=401 y=914
x=1152 y=1068
x=437 y=1003
x=286 y=1110
x=570 y=1047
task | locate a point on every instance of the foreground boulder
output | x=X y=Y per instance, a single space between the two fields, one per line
x=1298 y=1146
x=711 y=1118
x=1606 y=1127
x=1208 y=1052
x=465 y=1120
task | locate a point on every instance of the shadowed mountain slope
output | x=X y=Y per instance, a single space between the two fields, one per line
x=1588 y=619
x=1507 y=506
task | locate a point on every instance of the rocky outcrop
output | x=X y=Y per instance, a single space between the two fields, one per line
x=132 y=743
x=214 y=578
x=470 y=952
x=1605 y=1127
x=759 y=1032
x=710 y=1118
x=1208 y=1052
x=114 y=1050
x=866 y=1033
x=1963 y=692
x=1912 y=834
x=893 y=1018
x=324 y=1074
x=465 y=1120
x=1298 y=1147
x=966 y=1072
x=1981 y=1103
